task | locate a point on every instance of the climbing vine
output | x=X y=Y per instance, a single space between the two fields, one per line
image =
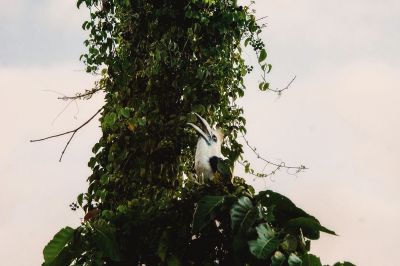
x=160 y=61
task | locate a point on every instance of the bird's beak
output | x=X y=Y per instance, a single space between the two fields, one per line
x=206 y=137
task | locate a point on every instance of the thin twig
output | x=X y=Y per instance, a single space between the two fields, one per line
x=68 y=132
x=65 y=148
x=261 y=18
x=282 y=164
x=87 y=95
x=279 y=91
x=65 y=107
x=277 y=166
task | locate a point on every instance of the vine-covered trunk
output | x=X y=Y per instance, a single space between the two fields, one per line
x=164 y=61
x=161 y=61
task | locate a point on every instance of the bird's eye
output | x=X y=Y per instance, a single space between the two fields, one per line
x=214 y=138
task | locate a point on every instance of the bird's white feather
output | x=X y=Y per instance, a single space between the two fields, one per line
x=204 y=152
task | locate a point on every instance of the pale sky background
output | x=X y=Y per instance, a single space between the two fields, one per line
x=340 y=118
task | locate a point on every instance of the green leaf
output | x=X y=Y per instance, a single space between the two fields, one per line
x=294 y=260
x=311 y=260
x=266 y=243
x=209 y=2
x=122 y=208
x=80 y=199
x=84 y=24
x=56 y=246
x=126 y=2
x=269 y=68
x=264 y=86
x=198 y=108
x=204 y=211
x=345 y=263
x=224 y=169
x=125 y=112
x=246 y=42
x=310 y=227
x=109 y=120
x=104 y=237
x=289 y=243
x=78 y=3
x=243 y=215
x=278 y=259
x=173 y=261
x=262 y=56
x=281 y=207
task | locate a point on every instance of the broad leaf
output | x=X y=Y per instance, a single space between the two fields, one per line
x=56 y=246
x=109 y=120
x=224 y=170
x=246 y=42
x=125 y=112
x=198 y=108
x=266 y=243
x=310 y=227
x=345 y=263
x=294 y=260
x=283 y=209
x=311 y=260
x=262 y=56
x=289 y=243
x=243 y=214
x=278 y=259
x=204 y=210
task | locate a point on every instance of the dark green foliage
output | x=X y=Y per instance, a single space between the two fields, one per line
x=343 y=264
x=160 y=61
x=266 y=243
x=258 y=235
x=294 y=260
x=204 y=212
x=311 y=260
x=56 y=248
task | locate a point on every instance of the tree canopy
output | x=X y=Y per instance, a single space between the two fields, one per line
x=160 y=61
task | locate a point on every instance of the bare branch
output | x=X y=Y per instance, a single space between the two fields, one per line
x=261 y=18
x=81 y=96
x=276 y=166
x=279 y=91
x=73 y=132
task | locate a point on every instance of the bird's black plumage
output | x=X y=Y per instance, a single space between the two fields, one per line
x=214 y=163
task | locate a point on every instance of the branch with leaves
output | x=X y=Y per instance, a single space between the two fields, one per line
x=82 y=95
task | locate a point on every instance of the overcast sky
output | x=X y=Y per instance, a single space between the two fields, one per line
x=340 y=118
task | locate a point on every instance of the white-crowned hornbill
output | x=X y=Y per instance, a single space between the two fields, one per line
x=208 y=159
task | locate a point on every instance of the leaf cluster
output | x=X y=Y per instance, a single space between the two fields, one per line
x=206 y=227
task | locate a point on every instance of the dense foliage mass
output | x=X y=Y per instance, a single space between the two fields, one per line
x=160 y=61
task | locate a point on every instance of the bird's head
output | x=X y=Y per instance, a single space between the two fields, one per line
x=208 y=135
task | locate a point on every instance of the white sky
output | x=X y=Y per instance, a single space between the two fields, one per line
x=340 y=118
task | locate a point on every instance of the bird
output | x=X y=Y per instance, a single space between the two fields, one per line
x=209 y=162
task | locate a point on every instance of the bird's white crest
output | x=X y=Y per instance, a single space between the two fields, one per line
x=208 y=146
